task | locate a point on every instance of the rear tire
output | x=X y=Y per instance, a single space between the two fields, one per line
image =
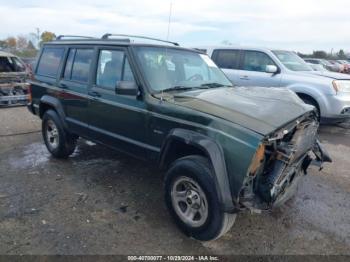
x=60 y=143
x=192 y=199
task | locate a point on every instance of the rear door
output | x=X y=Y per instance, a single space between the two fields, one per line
x=228 y=60
x=75 y=80
x=252 y=70
x=116 y=120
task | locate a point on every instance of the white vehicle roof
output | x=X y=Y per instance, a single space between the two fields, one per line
x=210 y=49
x=3 y=53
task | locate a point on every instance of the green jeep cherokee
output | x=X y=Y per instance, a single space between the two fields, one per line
x=224 y=148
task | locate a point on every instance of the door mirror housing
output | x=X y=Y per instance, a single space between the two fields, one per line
x=272 y=69
x=128 y=88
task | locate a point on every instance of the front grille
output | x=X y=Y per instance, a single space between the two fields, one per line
x=285 y=161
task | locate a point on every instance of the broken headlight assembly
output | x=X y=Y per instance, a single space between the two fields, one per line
x=279 y=162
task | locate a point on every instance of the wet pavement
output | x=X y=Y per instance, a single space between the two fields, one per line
x=102 y=202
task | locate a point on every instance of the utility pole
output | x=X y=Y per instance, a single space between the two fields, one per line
x=38 y=36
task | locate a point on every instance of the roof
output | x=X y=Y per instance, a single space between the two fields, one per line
x=3 y=53
x=239 y=47
x=109 y=39
x=115 y=42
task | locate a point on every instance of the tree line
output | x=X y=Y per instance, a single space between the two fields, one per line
x=23 y=46
x=324 y=55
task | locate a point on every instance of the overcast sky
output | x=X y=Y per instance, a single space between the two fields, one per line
x=289 y=24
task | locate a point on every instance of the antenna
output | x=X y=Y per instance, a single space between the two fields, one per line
x=169 y=20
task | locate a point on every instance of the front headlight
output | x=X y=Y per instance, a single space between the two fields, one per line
x=341 y=86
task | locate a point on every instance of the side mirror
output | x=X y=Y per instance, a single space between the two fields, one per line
x=128 y=88
x=272 y=69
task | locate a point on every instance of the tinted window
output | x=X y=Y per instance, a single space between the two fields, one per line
x=50 y=61
x=113 y=66
x=81 y=65
x=69 y=63
x=256 y=61
x=226 y=58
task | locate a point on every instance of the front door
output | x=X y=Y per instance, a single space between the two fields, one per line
x=252 y=70
x=228 y=61
x=119 y=121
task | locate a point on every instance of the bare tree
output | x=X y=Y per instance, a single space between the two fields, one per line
x=22 y=42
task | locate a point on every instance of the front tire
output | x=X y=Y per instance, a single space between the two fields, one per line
x=312 y=102
x=192 y=199
x=60 y=143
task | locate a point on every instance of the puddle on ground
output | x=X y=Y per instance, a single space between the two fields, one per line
x=33 y=155
x=87 y=155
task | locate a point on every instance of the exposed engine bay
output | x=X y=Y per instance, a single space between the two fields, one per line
x=280 y=162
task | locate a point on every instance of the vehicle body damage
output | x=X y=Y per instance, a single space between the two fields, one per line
x=13 y=75
x=283 y=150
x=224 y=148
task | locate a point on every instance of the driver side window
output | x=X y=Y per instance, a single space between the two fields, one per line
x=113 y=66
x=256 y=61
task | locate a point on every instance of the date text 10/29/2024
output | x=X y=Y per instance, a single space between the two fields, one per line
x=173 y=258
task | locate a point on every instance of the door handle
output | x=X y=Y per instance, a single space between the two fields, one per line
x=94 y=94
x=244 y=77
x=63 y=85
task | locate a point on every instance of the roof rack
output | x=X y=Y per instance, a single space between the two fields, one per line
x=106 y=36
x=73 y=36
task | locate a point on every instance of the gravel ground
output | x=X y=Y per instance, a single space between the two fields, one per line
x=101 y=202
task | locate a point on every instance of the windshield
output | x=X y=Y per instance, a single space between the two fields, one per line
x=167 y=68
x=292 y=61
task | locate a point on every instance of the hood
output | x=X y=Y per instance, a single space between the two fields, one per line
x=333 y=75
x=260 y=109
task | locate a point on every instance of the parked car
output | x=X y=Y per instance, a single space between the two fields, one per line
x=224 y=148
x=329 y=92
x=318 y=67
x=346 y=65
x=13 y=75
x=340 y=66
x=323 y=62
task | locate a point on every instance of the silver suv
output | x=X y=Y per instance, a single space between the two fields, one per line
x=329 y=92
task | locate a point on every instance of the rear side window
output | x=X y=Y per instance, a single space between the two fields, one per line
x=78 y=65
x=81 y=65
x=50 y=61
x=256 y=61
x=227 y=59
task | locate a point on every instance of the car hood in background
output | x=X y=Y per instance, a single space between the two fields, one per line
x=260 y=109
x=333 y=75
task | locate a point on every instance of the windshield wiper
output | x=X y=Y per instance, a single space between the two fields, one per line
x=211 y=85
x=177 y=88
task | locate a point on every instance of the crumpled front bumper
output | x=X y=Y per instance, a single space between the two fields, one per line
x=291 y=160
x=301 y=169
